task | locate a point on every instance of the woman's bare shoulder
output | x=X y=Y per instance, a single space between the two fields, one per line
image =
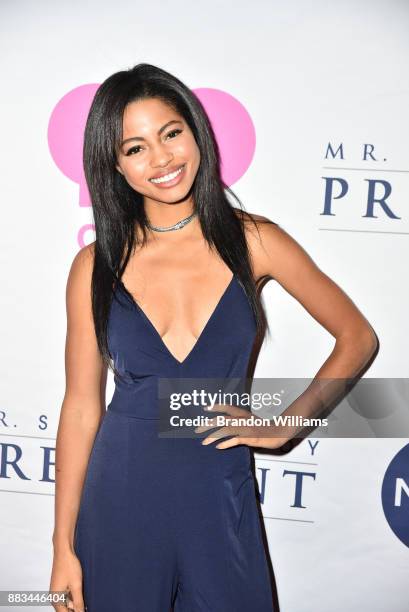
x=258 y=228
x=265 y=238
x=79 y=277
x=83 y=261
x=254 y=221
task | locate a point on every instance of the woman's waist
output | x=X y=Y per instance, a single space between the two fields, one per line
x=175 y=401
x=142 y=438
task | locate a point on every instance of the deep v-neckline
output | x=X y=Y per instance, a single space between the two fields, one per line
x=200 y=336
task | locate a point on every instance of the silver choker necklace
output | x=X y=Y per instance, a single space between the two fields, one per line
x=177 y=225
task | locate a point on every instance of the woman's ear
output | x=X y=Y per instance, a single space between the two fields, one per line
x=118 y=167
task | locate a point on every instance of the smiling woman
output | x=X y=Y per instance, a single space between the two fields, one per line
x=161 y=158
x=169 y=289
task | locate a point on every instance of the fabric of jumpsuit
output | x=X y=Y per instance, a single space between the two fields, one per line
x=169 y=520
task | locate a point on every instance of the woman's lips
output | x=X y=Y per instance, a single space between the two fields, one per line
x=165 y=184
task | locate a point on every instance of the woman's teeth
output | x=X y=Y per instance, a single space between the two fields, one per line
x=167 y=177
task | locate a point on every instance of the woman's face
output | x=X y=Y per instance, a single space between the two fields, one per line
x=158 y=157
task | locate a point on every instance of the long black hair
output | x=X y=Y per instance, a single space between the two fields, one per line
x=118 y=209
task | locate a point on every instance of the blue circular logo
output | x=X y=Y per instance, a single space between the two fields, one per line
x=395 y=495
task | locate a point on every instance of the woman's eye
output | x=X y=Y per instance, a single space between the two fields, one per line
x=133 y=150
x=137 y=148
x=174 y=132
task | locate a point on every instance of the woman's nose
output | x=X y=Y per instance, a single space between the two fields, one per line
x=161 y=157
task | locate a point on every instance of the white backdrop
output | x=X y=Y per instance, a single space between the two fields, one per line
x=309 y=74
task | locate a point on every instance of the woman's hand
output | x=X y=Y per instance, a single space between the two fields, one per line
x=67 y=576
x=265 y=436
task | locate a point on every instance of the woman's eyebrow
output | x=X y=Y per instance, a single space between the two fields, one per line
x=159 y=131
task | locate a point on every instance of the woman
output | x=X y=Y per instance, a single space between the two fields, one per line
x=169 y=289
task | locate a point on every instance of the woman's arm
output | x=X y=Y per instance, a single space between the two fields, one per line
x=83 y=404
x=275 y=254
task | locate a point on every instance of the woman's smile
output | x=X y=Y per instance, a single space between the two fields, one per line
x=170 y=179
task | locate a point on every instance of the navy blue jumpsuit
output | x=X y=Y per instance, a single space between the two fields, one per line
x=167 y=520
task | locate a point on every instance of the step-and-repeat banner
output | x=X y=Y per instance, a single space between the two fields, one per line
x=309 y=103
